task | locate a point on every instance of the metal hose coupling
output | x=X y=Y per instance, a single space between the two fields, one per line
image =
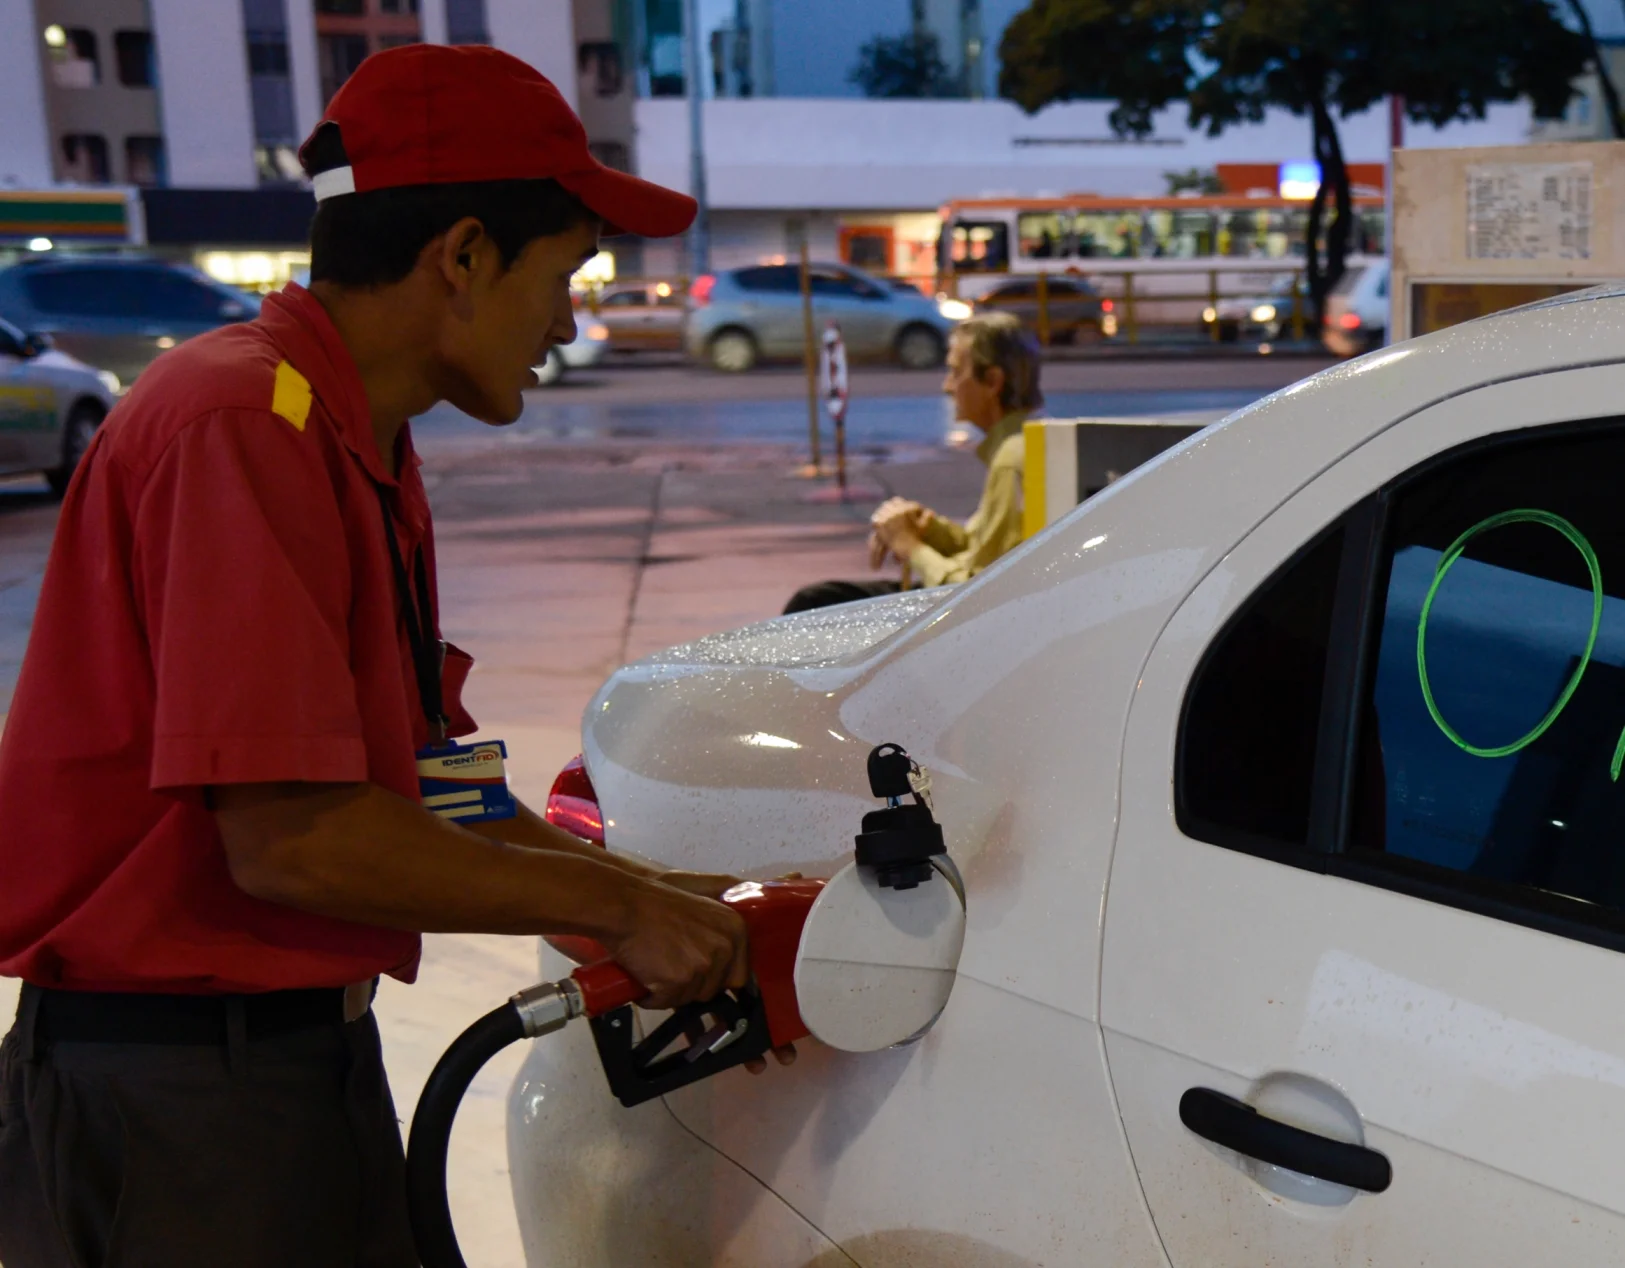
x=547 y=1006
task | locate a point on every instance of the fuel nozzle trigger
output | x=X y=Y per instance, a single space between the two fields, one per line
x=695 y=1042
x=899 y=841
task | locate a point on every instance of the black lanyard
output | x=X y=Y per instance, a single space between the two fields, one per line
x=427 y=649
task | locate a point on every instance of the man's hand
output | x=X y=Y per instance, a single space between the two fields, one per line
x=682 y=947
x=705 y=884
x=898 y=525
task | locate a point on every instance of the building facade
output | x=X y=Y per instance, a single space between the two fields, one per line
x=195 y=108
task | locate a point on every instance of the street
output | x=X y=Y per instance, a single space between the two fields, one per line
x=630 y=509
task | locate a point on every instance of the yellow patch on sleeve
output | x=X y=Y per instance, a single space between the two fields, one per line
x=291 y=398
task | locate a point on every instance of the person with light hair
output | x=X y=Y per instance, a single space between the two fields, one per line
x=993 y=379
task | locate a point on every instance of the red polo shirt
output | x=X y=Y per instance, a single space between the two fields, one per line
x=219 y=608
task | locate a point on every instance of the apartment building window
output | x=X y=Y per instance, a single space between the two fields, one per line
x=348 y=30
x=75 y=60
x=339 y=55
x=465 y=22
x=84 y=159
x=144 y=160
x=267 y=53
x=132 y=51
x=602 y=60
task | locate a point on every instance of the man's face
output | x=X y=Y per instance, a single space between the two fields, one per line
x=507 y=319
x=976 y=400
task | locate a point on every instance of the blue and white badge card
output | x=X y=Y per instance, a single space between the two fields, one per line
x=467 y=783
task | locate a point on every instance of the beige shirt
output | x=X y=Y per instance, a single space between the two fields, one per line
x=952 y=552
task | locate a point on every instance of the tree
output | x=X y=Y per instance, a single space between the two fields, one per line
x=908 y=65
x=1232 y=60
x=1610 y=90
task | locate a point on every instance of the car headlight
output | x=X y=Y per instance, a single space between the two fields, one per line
x=1263 y=313
x=598 y=332
x=1210 y=315
x=109 y=380
x=954 y=309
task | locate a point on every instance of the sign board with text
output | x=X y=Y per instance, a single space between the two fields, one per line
x=1477 y=231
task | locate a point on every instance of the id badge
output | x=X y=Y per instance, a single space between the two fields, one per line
x=467 y=783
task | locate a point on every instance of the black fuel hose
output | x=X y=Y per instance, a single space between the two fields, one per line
x=431 y=1132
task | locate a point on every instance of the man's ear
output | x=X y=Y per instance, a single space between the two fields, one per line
x=994 y=378
x=460 y=251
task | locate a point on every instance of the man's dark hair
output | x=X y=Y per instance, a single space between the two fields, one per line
x=375 y=238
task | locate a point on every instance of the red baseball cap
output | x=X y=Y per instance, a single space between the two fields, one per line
x=432 y=114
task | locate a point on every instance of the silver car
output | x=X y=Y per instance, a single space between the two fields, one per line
x=741 y=316
x=50 y=406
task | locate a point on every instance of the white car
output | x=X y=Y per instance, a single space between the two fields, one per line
x=586 y=349
x=50 y=406
x=1356 y=318
x=1282 y=776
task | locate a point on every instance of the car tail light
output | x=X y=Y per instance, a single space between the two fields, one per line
x=1349 y=321
x=699 y=292
x=573 y=804
x=1107 y=306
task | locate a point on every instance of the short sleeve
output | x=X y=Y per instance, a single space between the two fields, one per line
x=242 y=579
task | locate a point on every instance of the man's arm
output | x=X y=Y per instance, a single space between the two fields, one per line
x=992 y=532
x=361 y=853
x=531 y=830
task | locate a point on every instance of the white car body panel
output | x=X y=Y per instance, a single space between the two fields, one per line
x=1440 y=1026
x=997 y=1139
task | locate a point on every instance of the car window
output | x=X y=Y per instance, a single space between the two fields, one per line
x=623 y=299
x=977 y=247
x=1252 y=716
x=82 y=292
x=1476 y=714
x=1349 y=280
x=768 y=277
x=170 y=295
x=1494 y=723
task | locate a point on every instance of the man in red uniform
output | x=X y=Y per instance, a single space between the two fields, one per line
x=212 y=833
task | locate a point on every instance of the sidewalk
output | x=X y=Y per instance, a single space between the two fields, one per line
x=558 y=563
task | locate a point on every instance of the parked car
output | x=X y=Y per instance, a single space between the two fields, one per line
x=50 y=406
x=1356 y=317
x=1296 y=905
x=641 y=316
x=587 y=348
x=741 y=316
x=117 y=313
x=1258 y=317
x=1076 y=311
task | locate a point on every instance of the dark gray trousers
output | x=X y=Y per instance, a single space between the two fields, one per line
x=281 y=1152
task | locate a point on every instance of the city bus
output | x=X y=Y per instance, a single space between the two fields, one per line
x=1161 y=261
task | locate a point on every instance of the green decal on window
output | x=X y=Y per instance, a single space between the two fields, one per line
x=1578 y=540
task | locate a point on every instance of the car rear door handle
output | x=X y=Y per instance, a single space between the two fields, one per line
x=1236 y=1125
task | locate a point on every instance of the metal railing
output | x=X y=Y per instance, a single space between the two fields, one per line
x=1135 y=293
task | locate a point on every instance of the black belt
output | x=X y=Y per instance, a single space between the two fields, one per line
x=118 y=1017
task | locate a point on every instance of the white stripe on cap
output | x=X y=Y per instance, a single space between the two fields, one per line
x=333 y=182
